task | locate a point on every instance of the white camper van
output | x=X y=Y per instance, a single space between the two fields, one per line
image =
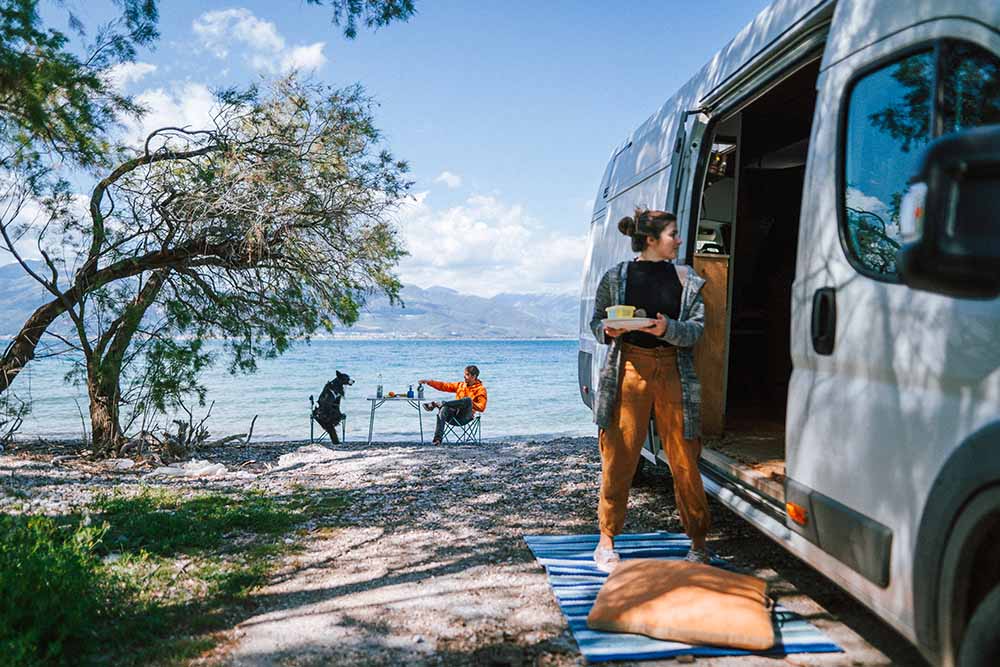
x=835 y=170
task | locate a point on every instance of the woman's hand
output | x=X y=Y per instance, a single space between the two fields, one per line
x=658 y=328
x=611 y=332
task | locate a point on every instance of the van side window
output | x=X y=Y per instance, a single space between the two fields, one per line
x=888 y=122
x=891 y=116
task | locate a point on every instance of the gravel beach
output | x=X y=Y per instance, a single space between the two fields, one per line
x=427 y=564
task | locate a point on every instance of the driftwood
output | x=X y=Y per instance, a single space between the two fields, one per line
x=250 y=434
x=228 y=439
x=190 y=436
x=167 y=447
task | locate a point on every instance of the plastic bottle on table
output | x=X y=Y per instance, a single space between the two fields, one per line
x=420 y=391
x=409 y=392
x=378 y=389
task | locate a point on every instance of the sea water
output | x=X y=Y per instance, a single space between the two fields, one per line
x=532 y=387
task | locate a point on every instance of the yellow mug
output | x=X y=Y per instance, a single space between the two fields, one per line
x=620 y=312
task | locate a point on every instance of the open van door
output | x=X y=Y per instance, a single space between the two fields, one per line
x=688 y=149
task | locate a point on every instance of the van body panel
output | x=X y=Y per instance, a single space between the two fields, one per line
x=861 y=23
x=859 y=542
x=752 y=44
x=912 y=373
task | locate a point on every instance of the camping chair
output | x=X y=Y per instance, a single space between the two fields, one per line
x=312 y=420
x=458 y=433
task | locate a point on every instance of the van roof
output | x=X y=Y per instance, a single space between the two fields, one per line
x=650 y=145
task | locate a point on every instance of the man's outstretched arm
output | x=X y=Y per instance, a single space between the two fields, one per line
x=441 y=386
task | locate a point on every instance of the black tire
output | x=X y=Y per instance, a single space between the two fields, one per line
x=981 y=641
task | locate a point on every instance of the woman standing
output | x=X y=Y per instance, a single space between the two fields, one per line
x=650 y=370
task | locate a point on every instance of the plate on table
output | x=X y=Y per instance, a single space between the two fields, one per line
x=628 y=322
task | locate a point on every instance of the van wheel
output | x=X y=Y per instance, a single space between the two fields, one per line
x=981 y=641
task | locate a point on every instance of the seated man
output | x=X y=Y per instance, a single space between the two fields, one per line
x=470 y=397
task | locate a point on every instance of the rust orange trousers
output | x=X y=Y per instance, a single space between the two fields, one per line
x=650 y=383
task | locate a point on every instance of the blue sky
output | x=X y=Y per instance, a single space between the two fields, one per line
x=505 y=111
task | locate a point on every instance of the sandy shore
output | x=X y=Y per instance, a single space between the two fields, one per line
x=427 y=565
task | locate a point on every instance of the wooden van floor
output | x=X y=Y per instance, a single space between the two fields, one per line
x=756 y=458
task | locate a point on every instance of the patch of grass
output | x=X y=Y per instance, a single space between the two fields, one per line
x=53 y=591
x=163 y=522
x=161 y=571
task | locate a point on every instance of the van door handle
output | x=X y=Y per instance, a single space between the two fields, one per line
x=824 y=320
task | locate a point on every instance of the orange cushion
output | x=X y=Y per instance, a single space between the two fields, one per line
x=685 y=602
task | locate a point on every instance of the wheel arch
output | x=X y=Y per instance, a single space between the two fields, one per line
x=952 y=513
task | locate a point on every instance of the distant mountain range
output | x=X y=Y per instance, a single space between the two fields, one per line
x=436 y=312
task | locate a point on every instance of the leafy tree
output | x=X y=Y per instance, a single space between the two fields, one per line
x=54 y=103
x=59 y=108
x=373 y=14
x=268 y=225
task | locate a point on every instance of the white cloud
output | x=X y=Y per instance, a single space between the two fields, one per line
x=862 y=202
x=485 y=246
x=123 y=74
x=220 y=30
x=449 y=179
x=183 y=105
x=304 y=58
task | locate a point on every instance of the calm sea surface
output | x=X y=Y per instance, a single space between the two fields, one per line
x=532 y=389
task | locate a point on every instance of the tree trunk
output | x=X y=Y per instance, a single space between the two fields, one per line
x=104 y=394
x=21 y=350
x=104 y=368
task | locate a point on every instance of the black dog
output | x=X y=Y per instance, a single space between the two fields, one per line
x=327 y=411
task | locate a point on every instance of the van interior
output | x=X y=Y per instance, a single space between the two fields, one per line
x=747 y=237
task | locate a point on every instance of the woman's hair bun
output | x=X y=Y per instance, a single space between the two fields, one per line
x=627 y=225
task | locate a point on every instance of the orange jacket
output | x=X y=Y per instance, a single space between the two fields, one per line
x=477 y=392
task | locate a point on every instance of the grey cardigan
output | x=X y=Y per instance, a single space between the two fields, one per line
x=683 y=333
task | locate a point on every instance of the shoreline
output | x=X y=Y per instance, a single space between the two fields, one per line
x=388 y=337
x=22 y=442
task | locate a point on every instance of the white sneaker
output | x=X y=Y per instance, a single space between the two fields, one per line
x=605 y=559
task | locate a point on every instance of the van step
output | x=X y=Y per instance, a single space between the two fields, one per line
x=756 y=510
x=724 y=474
x=767 y=477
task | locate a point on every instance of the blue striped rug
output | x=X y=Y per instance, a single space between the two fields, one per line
x=568 y=561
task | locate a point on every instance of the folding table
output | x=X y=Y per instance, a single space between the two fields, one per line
x=414 y=402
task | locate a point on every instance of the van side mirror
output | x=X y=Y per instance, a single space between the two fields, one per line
x=950 y=217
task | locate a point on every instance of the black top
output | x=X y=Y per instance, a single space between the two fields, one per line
x=654 y=287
